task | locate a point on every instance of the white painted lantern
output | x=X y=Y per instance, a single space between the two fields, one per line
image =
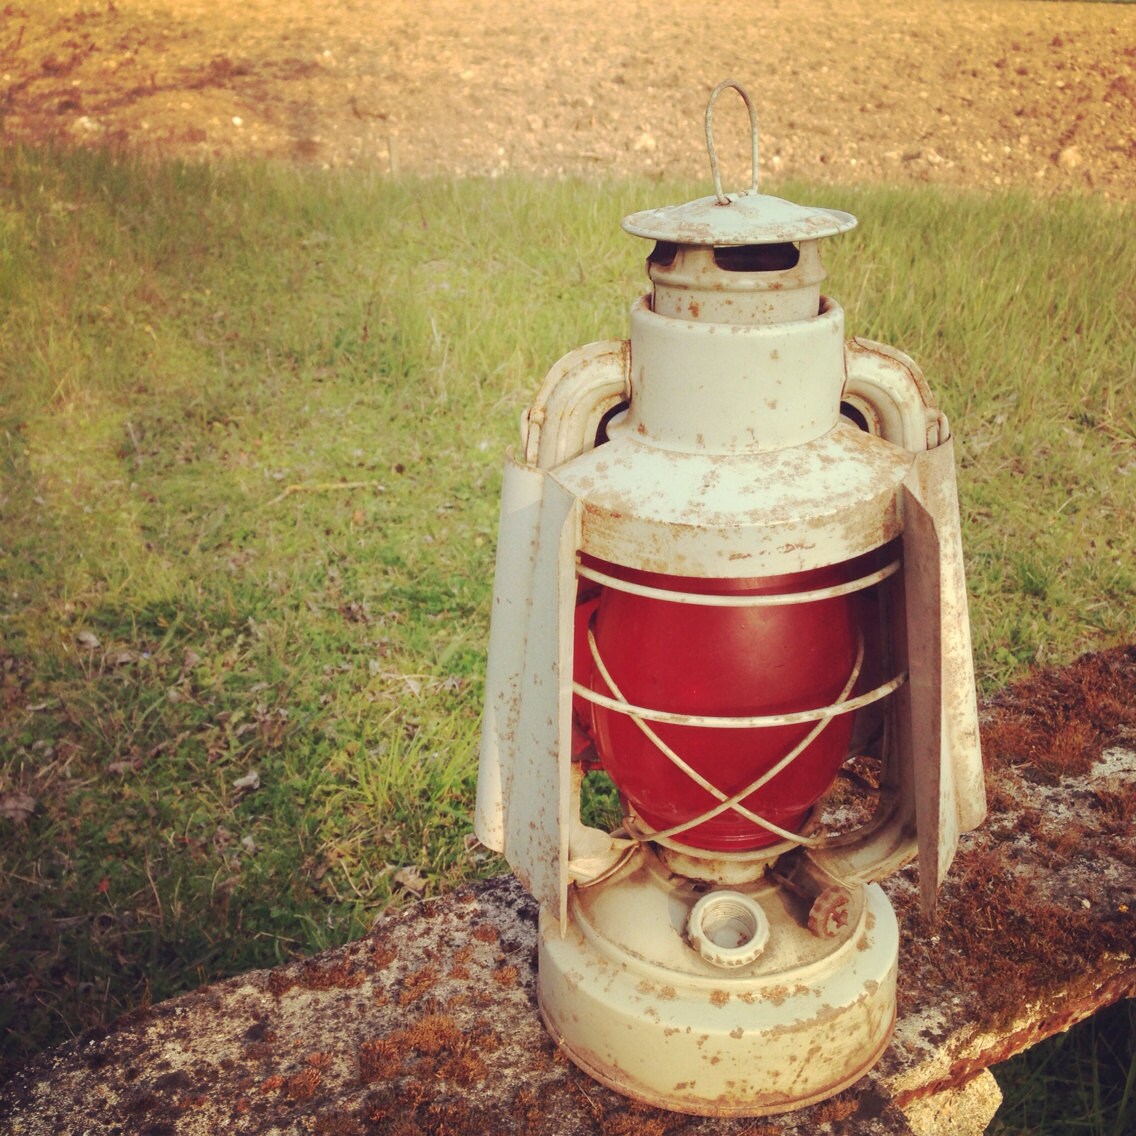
x=728 y=567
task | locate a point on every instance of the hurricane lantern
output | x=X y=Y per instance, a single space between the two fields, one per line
x=729 y=577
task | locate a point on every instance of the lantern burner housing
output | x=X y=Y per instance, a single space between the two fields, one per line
x=729 y=564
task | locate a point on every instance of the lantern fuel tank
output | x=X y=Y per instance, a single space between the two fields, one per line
x=729 y=564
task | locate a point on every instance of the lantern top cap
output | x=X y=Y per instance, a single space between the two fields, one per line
x=744 y=218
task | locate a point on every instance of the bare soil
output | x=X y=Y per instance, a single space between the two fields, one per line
x=1021 y=93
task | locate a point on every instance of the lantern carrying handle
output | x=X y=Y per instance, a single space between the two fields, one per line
x=715 y=172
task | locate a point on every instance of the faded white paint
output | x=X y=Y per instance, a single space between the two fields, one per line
x=730 y=460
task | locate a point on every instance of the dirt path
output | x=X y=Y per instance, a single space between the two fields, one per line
x=1004 y=92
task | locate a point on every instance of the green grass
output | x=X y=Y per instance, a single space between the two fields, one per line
x=1083 y=1081
x=251 y=427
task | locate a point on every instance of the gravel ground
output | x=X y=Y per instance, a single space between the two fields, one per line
x=1023 y=93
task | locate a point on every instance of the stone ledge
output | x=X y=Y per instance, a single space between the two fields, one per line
x=429 y=1025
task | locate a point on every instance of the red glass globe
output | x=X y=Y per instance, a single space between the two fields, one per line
x=720 y=662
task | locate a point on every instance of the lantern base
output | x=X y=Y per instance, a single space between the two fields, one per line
x=632 y=1003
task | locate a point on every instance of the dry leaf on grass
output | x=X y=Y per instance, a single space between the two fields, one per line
x=17 y=807
x=412 y=880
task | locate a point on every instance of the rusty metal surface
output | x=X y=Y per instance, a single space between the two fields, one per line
x=577 y=392
x=523 y=810
x=737 y=515
x=748 y=219
x=730 y=458
x=789 y=1025
x=888 y=388
x=932 y=483
x=936 y=809
x=522 y=495
x=690 y=285
x=731 y=388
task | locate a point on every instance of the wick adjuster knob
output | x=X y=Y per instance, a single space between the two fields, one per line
x=728 y=929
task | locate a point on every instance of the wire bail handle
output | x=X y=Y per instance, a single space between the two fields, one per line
x=714 y=170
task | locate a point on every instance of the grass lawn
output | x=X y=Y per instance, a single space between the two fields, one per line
x=251 y=428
